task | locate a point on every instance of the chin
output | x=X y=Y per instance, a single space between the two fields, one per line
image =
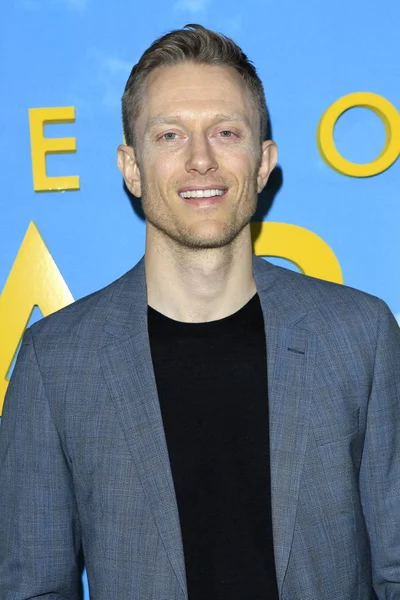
x=197 y=236
x=208 y=237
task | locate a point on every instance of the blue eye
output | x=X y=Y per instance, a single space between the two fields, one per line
x=226 y=133
x=170 y=135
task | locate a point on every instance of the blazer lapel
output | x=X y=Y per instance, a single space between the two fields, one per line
x=128 y=369
x=290 y=371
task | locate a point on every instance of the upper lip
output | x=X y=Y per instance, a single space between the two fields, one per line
x=192 y=188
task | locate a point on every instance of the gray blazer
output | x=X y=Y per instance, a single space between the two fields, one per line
x=83 y=457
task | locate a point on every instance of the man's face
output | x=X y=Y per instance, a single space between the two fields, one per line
x=198 y=164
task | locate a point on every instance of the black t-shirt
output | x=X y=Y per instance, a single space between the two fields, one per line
x=212 y=387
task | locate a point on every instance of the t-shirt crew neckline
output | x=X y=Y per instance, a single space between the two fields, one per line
x=224 y=325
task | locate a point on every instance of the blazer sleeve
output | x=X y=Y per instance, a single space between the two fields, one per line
x=380 y=466
x=39 y=526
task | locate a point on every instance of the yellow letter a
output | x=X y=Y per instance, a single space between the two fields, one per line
x=34 y=280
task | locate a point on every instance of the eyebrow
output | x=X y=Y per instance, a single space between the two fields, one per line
x=162 y=120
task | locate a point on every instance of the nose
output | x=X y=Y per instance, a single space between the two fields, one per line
x=201 y=157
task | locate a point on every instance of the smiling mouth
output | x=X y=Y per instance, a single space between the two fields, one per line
x=202 y=193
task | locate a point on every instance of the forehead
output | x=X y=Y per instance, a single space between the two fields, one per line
x=194 y=90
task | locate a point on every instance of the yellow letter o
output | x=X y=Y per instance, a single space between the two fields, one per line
x=384 y=110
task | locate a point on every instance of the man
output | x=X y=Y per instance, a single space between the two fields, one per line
x=209 y=426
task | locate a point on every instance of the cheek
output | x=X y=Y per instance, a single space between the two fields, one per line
x=239 y=159
x=161 y=167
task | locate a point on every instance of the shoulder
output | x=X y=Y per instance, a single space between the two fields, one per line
x=321 y=305
x=83 y=321
x=355 y=332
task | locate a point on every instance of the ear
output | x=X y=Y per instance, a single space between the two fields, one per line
x=129 y=168
x=269 y=158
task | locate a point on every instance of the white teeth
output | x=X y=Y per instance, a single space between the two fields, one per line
x=201 y=193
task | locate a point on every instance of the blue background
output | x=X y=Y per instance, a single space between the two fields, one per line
x=80 y=52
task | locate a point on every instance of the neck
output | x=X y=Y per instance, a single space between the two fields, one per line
x=198 y=285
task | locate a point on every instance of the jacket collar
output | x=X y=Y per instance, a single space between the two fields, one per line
x=128 y=305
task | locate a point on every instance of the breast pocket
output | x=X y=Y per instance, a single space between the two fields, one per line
x=334 y=424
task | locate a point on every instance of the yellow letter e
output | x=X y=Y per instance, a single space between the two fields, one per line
x=40 y=146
